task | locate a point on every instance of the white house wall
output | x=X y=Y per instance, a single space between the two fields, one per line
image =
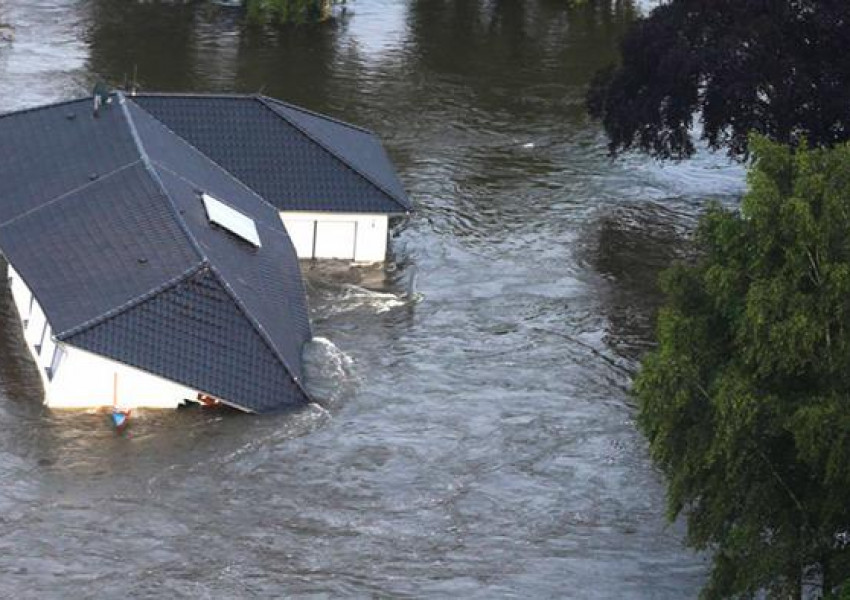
x=27 y=309
x=20 y=293
x=82 y=379
x=358 y=237
x=35 y=323
x=85 y=380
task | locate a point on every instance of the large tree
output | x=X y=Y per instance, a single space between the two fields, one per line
x=746 y=400
x=777 y=67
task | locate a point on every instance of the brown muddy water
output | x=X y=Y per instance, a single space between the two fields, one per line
x=476 y=435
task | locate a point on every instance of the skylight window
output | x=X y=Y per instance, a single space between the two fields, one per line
x=232 y=220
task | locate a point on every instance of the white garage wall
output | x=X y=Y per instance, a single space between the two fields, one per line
x=335 y=239
x=302 y=235
x=359 y=237
x=372 y=239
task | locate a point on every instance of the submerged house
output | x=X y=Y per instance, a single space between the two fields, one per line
x=333 y=184
x=142 y=268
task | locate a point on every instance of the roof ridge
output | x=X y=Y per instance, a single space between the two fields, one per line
x=258 y=327
x=132 y=302
x=262 y=100
x=70 y=192
x=313 y=113
x=146 y=160
x=226 y=96
x=238 y=96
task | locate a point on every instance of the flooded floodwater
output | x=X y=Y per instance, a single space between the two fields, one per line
x=475 y=436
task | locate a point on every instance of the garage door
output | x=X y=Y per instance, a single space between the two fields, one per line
x=335 y=239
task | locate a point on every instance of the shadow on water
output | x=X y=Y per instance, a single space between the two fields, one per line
x=124 y=31
x=630 y=245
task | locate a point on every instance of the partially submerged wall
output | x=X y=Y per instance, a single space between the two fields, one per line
x=356 y=237
x=75 y=378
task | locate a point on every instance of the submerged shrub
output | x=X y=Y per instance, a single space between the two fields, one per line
x=288 y=11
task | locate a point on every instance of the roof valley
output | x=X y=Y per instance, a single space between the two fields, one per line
x=183 y=140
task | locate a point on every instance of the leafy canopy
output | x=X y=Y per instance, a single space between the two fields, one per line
x=746 y=400
x=777 y=67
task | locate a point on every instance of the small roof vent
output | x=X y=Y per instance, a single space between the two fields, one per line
x=100 y=96
x=232 y=220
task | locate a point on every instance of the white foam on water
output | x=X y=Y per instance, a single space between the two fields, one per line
x=320 y=409
x=329 y=353
x=354 y=297
x=329 y=372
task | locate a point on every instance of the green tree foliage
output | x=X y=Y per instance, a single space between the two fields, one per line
x=777 y=67
x=746 y=400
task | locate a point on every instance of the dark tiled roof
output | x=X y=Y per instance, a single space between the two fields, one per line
x=115 y=244
x=358 y=147
x=271 y=292
x=98 y=247
x=295 y=159
x=49 y=152
x=182 y=170
x=199 y=321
